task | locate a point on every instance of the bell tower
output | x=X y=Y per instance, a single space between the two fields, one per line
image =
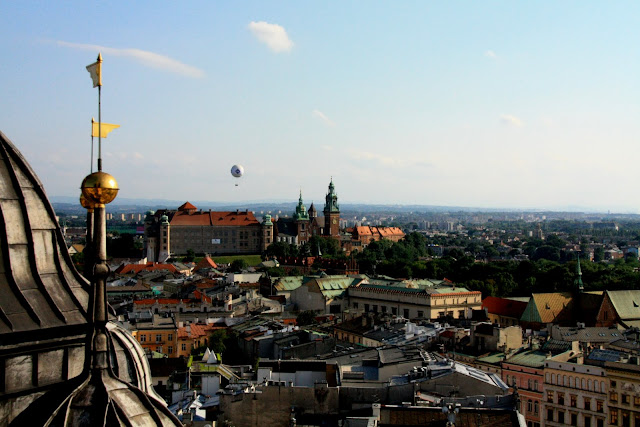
x=331 y=213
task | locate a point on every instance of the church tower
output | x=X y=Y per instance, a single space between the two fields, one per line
x=331 y=213
x=301 y=220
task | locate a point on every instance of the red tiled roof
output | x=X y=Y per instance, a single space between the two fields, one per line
x=504 y=307
x=150 y=266
x=187 y=207
x=197 y=330
x=205 y=262
x=214 y=218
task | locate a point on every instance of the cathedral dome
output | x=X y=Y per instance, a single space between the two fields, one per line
x=46 y=323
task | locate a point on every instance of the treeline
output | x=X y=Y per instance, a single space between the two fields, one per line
x=551 y=269
x=409 y=259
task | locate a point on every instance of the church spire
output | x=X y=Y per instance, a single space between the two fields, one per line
x=578 y=281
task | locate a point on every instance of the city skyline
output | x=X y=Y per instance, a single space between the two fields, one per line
x=457 y=104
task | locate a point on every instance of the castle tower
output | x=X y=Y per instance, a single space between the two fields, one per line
x=267 y=232
x=331 y=213
x=165 y=239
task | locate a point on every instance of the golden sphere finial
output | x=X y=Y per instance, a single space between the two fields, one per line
x=100 y=188
x=85 y=203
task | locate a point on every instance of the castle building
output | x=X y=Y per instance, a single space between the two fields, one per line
x=305 y=224
x=174 y=232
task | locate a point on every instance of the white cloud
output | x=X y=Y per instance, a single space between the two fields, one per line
x=323 y=117
x=490 y=54
x=273 y=35
x=327 y=147
x=508 y=119
x=150 y=59
x=388 y=161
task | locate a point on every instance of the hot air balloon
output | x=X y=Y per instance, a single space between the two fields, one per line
x=237 y=171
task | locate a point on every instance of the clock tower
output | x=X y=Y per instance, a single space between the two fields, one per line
x=331 y=213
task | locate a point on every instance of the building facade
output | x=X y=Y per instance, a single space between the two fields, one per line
x=174 y=232
x=414 y=301
x=574 y=393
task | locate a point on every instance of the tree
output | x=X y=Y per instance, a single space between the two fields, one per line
x=598 y=254
x=191 y=255
x=216 y=341
x=307 y=317
x=238 y=265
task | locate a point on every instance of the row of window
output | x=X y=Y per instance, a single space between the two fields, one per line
x=574 y=382
x=572 y=419
x=143 y=337
x=573 y=401
x=625 y=398
x=530 y=384
x=405 y=311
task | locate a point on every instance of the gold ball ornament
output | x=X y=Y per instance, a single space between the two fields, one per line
x=85 y=203
x=100 y=188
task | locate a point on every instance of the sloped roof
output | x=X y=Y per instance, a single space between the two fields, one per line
x=187 y=207
x=150 y=266
x=626 y=303
x=547 y=307
x=237 y=218
x=205 y=262
x=39 y=286
x=504 y=307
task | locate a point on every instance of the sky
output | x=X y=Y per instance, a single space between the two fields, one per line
x=526 y=105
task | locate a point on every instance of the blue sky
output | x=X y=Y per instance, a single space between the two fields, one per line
x=487 y=104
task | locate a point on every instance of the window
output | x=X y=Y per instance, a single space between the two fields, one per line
x=366 y=307
x=383 y=308
x=394 y=311
x=549 y=414
x=599 y=422
x=184 y=347
x=613 y=396
x=561 y=417
x=143 y=338
x=535 y=407
x=636 y=401
x=406 y=313
x=375 y=308
x=587 y=421
x=170 y=350
x=158 y=338
x=626 y=420
x=549 y=396
x=626 y=399
x=599 y=406
x=573 y=401
x=529 y=384
x=355 y=305
x=560 y=398
x=613 y=416
x=420 y=313
x=159 y=349
x=587 y=403
x=530 y=405
x=535 y=385
x=170 y=336
x=613 y=383
x=574 y=419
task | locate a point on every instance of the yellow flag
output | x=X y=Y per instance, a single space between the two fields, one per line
x=105 y=127
x=95 y=70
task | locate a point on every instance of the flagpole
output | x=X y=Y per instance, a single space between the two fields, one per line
x=100 y=128
x=92 y=146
